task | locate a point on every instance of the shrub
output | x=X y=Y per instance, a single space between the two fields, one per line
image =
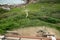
x=50 y=20
x=3 y=10
x=49 y=1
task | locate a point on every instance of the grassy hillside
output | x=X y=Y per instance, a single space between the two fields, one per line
x=39 y=14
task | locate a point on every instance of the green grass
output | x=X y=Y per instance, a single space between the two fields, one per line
x=40 y=14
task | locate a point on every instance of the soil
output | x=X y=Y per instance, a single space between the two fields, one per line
x=32 y=31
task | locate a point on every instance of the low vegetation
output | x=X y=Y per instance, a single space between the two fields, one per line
x=39 y=14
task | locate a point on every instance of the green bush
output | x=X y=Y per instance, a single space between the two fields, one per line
x=50 y=20
x=2 y=32
x=49 y=1
x=3 y=10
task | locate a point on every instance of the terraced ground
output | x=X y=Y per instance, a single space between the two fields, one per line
x=39 y=14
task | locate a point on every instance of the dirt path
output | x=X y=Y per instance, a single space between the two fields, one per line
x=31 y=31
